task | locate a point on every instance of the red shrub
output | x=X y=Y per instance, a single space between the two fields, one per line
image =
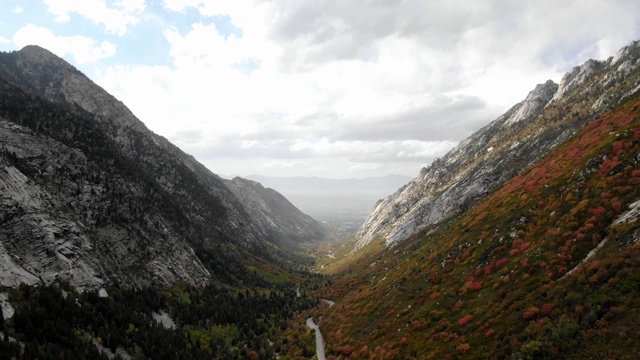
x=547 y=309
x=463 y=348
x=474 y=285
x=530 y=313
x=502 y=262
x=464 y=321
x=529 y=185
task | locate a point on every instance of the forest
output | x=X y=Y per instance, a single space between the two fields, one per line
x=210 y=322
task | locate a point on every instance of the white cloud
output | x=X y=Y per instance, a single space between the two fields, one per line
x=17 y=10
x=4 y=40
x=376 y=86
x=115 y=20
x=373 y=151
x=84 y=50
x=131 y=6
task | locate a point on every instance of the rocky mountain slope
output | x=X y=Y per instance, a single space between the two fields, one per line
x=273 y=212
x=546 y=266
x=67 y=217
x=501 y=150
x=41 y=73
x=90 y=195
x=341 y=205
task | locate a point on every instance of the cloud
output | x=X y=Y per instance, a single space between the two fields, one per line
x=377 y=85
x=17 y=10
x=115 y=20
x=84 y=50
x=373 y=151
x=4 y=40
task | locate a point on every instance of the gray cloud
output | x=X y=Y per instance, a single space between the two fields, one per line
x=553 y=31
x=375 y=83
x=448 y=119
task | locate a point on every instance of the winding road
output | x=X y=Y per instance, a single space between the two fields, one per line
x=319 y=342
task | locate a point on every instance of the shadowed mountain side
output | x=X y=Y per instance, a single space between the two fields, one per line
x=281 y=219
x=107 y=200
x=341 y=204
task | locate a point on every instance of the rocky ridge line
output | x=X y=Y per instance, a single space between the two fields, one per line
x=503 y=148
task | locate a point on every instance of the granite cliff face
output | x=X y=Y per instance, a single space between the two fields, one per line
x=503 y=148
x=66 y=217
x=39 y=72
x=89 y=195
x=282 y=220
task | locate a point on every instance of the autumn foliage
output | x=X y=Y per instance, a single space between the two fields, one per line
x=505 y=279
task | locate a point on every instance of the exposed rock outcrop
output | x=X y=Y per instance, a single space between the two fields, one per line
x=505 y=147
x=58 y=221
x=44 y=74
x=92 y=197
x=281 y=219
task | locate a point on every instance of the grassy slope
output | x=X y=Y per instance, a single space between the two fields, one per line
x=491 y=283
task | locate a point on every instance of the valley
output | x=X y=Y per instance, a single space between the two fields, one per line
x=522 y=242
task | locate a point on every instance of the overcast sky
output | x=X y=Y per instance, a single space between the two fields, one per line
x=333 y=88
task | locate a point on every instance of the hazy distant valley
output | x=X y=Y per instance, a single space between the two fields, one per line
x=341 y=204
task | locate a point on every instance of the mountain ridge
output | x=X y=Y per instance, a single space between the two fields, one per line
x=123 y=193
x=547 y=265
x=501 y=149
x=275 y=213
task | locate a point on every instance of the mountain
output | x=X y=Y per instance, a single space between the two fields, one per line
x=281 y=219
x=93 y=197
x=317 y=196
x=543 y=265
x=501 y=150
x=341 y=204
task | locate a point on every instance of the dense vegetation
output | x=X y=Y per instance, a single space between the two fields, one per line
x=505 y=279
x=211 y=323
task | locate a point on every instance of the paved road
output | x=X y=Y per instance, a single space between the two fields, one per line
x=319 y=342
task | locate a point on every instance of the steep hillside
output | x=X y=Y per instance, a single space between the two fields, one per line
x=320 y=197
x=281 y=219
x=76 y=209
x=41 y=73
x=66 y=216
x=91 y=196
x=501 y=150
x=546 y=266
x=341 y=205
